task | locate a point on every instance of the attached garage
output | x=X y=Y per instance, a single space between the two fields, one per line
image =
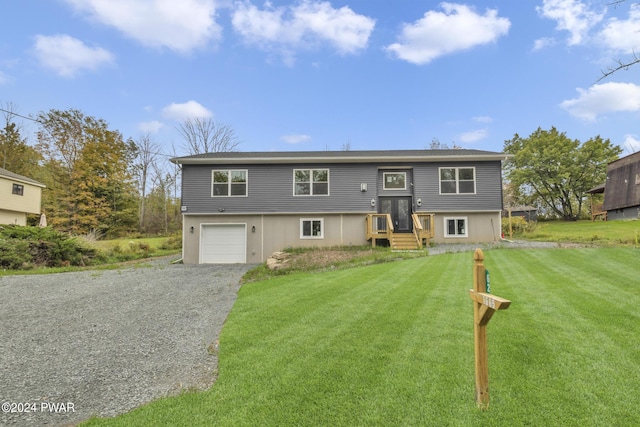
x=223 y=244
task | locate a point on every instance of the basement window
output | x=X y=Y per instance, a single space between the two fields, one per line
x=456 y=227
x=311 y=228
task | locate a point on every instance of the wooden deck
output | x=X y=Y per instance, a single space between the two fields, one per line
x=597 y=212
x=380 y=226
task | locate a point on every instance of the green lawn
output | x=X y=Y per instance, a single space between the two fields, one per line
x=154 y=243
x=609 y=233
x=392 y=344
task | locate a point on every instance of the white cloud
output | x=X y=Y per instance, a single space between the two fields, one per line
x=437 y=33
x=543 y=42
x=482 y=119
x=187 y=110
x=67 y=55
x=603 y=98
x=631 y=143
x=301 y=27
x=622 y=35
x=573 y=16
x=150 y=127
x=295 y=138
x=473 y=136
x=177 y=25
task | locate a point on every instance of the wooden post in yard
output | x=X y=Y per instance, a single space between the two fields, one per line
x=484 y=306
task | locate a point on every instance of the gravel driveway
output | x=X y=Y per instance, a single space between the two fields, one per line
x=104 y=342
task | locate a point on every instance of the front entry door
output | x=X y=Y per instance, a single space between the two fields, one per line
x=400 y=210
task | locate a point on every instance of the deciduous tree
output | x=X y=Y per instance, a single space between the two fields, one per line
x=204 y=135
x=556 y=171
x=89 y=173
x=146 y=154
x=15 y=154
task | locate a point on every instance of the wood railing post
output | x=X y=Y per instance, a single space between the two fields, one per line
x=484 y=305
x=480 y=335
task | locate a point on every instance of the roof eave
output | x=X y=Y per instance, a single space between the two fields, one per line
x=343 y=159
x=23 y=181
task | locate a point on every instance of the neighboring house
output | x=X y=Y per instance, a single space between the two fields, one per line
x=240 y=207
x=19 y=196
x=622 y=188
x=530 y=213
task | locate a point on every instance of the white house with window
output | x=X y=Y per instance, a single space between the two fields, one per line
x=19 y=196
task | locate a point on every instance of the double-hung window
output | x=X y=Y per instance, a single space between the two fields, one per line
x=311 y=182
x=311 y=228
x=229 y=183
x=18 y=190
x=456 y=227
x=457 y=180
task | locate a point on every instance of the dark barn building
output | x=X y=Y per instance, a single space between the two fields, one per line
x=622 y=189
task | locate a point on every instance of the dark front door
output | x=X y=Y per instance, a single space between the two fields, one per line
x=400 y=210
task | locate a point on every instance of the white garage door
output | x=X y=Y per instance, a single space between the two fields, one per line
x=223 y=244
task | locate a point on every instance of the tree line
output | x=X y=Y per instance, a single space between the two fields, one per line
x=97 y=181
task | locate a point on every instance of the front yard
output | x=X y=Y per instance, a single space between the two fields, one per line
x=392 y=344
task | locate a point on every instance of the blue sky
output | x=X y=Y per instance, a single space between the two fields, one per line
x=316 y=75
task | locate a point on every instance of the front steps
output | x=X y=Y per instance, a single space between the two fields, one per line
x=403 y=241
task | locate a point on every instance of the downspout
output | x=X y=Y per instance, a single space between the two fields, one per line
x=494 y=232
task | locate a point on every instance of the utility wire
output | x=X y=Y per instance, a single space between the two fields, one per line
x=20 y=115
x=38 y=121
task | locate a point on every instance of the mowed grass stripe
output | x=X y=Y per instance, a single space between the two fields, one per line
x=568 y=339
x=367 y=319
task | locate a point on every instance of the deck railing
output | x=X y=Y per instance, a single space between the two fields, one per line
x=423 y=227
x=598 y=212
x=379 y=226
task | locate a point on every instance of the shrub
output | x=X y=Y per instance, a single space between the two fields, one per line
x=519 y=225
x=14 y=254
x=25 y=247
x=171 y=242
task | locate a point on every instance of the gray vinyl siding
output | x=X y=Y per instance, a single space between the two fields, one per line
x=270 y=188
x=488 y=196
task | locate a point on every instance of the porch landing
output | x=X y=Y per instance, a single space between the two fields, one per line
x=380 y=226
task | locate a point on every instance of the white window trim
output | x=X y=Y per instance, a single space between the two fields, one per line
x=311 y=182
x=228 y=171
x=457 y=168
x=456 y=218
x=303 y=220
x=384 y=181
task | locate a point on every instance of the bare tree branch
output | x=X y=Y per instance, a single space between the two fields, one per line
x=207 y=136
x=621 y=66
x=145 y=160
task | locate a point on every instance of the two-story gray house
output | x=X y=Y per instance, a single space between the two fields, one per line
x=240 y=207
